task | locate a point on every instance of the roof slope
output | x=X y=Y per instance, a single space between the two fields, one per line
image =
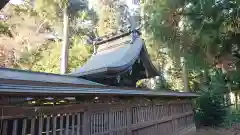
x=3 y=3
x=74 y=91
x=14 y=74
x=117 y=56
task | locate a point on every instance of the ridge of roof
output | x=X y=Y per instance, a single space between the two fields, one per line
x=111 y=45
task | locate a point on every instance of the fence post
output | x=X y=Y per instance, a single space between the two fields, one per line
x=173 y=120
x=110 y=122
x=86 y=122
x=4 y=127
x=129 y=120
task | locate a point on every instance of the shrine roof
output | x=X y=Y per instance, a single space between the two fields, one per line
x=116 y=56
x=3 y=3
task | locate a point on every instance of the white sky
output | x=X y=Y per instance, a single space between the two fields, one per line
x=128 y=2
x=131 y=4
x=16 y=2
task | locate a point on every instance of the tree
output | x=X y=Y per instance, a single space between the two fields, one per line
x=53 y=14
x=19 y=34
x=32 y=52
x=212 y=98
x=199 y=31
x=108 y=14
x=4 y=29
x=49 y=58
x=206 y=34
x=65 y=46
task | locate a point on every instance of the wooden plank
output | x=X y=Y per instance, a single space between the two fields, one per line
x=5 y=127
x=22 y=112
x=78 y=123
x=61 y=125
x=24 y=126
x=113 y=38
x=14 y=131
x=33 y=126
x=111 y=122
x=48 y=125
x=40 y=126
x=164 y=119
x=67 y=125
x=73 y=124
x=129 y=120
x=86 y=122
x=54 y=119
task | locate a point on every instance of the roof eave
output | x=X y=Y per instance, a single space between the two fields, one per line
x=14 y=74
x=33 y=90
x=3 y=3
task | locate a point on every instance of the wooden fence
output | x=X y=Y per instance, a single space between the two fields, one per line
x=48 y=104
x=146 y=117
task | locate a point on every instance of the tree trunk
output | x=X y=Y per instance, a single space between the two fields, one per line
x=228 y=94
x=205 y=76
x=236 y=100
x=65 y=45
x=185 y=75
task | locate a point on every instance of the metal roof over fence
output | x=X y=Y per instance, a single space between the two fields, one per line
x=49 y=90
x=72 y=87
x=15 y=74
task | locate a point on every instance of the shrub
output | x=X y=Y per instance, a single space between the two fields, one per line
x=232 y=117
x=211 y=109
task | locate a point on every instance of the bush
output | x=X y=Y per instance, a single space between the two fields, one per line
x=235 y=116
x=210 y=109
x=232 y=117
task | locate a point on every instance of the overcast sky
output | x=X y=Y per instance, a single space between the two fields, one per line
x=130 y=3
x=16 y=2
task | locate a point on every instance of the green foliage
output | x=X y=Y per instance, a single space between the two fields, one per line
x=162 y=84
x=211 y=109
x=108 y=16
x=48 y=60
x=50 y=10
x=159 y=84
x=29 y=58
x=234 y=117
x=4 y=29
x=78 y=53
x=31 y=49
x=25 y=9
x=197 y=30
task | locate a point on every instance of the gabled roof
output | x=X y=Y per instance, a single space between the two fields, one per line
x=115 y=57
